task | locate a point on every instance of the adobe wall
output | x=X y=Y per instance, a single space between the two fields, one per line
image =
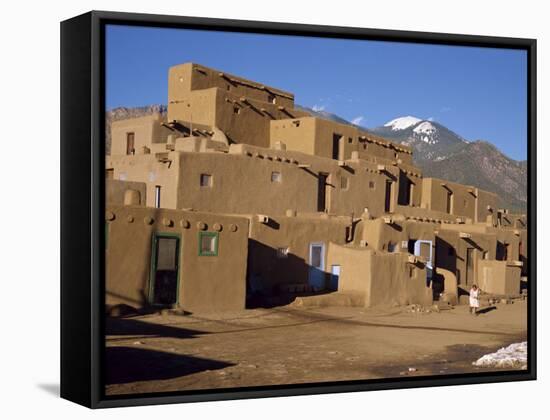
x=364 y=184
x=314 y=135
x=297 y=135
x=487 y=204
x=498 y=277
x=266 y=270
x=518 y=221
x=452 y=244
x=147 y=130
x=207 y=283
x=243 y=184
x=395 y=281
x=512 y=237
x=241 y=108
x=118 y=192
x=191 y=77
x=434 y=197
x=355 y=268
x=151 y=171
x=383 y=279
x=382 y=236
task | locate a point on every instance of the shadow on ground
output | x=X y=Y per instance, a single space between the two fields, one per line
x=487 y=309
x=127 y=326
x=127 y=364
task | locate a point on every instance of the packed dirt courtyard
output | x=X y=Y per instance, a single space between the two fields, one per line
x=289 y=345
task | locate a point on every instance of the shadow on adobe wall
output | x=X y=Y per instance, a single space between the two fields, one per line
x=273 y=280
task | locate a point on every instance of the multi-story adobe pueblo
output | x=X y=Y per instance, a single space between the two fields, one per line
x=235 y=196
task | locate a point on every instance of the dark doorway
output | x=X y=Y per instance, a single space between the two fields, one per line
x=470 y=266
x=322 y=192
x=336 y=140
x=406 y=189
x=502 y=251
x=164 y=269
x=387 y=202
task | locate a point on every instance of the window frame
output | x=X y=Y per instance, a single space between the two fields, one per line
x=155 y=236
x=210 y=180
x=215 y=235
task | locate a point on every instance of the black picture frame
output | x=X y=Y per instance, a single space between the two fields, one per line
x=83 y=204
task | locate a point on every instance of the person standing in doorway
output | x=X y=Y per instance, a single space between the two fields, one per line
x=474 y=299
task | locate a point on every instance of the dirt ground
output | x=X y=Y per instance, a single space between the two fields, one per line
x=288 y=345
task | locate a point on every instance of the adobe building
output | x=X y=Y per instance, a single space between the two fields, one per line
x=236 y=197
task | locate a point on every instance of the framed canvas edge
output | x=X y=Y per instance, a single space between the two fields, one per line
x=93 y=183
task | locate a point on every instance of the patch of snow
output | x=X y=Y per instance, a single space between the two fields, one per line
x=513 y=356
x=357 y=120
x=402 y=123
x=425 y=128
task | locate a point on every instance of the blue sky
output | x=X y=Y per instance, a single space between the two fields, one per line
x=479 y=93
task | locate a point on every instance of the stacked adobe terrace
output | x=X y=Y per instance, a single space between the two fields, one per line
x=236 y=196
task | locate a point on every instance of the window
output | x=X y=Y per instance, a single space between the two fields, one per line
x=372 y=185
x=208 y=244
x=130 y=143
x=276 y=177
x=282 y=252
x=392 y=246
x=236 y=110
x=206 y=180
x=344 y=183
x=350 y=140
x=271 y=99
x=157 y=196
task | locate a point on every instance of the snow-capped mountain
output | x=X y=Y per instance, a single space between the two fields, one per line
x=429 y=139
x=441 y=153
x=402 y=123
